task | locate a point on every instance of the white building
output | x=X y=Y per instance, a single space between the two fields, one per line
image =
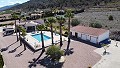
x=31 y=25
x=90 y=34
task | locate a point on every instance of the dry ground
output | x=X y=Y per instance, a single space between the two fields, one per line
x=101 y=17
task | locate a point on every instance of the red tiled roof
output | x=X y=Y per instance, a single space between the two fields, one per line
x=89 y=30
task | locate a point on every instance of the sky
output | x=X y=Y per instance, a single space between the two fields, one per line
x=11 y=2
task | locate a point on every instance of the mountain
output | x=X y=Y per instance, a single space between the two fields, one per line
x=44 y=4
x=7 y=7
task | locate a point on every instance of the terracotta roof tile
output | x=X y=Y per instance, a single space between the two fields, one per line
x=88 y=30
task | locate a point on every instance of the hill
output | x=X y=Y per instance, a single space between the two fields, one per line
x=43 y=4
x=7 y=7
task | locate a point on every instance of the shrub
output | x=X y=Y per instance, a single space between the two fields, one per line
x=54 y=52
x=118 y=9
x=64 y=28
x=110 y=17
x=1 y=61
x=75 y=22
x=66 y=34
x=48 y=14
x=95 y=25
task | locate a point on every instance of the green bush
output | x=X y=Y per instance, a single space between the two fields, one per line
x=65 y=34
x=95 y=25
x=110 y=17
x=1 y=62
x=118 y=9
x=75 y=22
x=54 y=52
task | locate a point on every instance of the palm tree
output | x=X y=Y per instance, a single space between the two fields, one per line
x=41 y=28
x=15 y=16
x=20 y=17
x=21 y=29
x=52 y=20
x=61 y=21
x=103 y=45
x=69 y=15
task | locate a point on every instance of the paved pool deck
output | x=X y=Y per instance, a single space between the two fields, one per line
x=16 y=57
x=34 y=42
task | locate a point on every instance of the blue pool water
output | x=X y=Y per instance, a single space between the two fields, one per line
x=38 y=37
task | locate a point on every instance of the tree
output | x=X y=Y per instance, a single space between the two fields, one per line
x=52 y=20
x=23 y=32
x=69 y=15
x=110 y=17
x=61 y=21
x=15 y=16
x=47 y=24
x=1 y=61
x=41 y=28
x=75 y=22
x=21 y=29
x=95 y=25
x=54 y=52
x=103 y=45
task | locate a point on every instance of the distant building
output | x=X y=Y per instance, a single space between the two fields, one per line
x=31 y=25
x=90 y=34
x=5 y=16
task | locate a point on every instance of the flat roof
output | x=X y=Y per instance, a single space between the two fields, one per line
x=89 y=30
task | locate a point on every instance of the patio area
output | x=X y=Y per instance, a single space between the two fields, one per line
x=32 y=41
x=16 y=57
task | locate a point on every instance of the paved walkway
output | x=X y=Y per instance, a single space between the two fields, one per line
x=15 y=56
x=111 y=60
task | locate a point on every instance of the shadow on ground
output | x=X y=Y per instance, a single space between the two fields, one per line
x=86 y=42
x=6 y=48
x=45 y=62
x=19 y=54
x=12 y=51
x=68 y=50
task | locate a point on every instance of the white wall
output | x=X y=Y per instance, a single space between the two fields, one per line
x=88 y=37
x=79 y=34
x=93 y=39
x=73 y=33
x=84 y=36
x=103 y=36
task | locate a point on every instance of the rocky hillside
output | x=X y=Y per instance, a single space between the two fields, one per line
x=43 y=4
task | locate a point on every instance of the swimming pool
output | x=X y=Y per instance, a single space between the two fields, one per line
x=38 y=37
